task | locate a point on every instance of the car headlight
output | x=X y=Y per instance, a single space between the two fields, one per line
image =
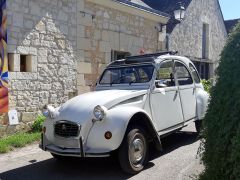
x=48 y=111
x=99 y=112
x=45 y=112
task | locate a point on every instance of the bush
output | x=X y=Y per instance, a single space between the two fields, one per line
x=207 y=84
x=221 y=131
x=37 y=125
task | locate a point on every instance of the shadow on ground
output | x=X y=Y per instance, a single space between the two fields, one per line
x=94 y=168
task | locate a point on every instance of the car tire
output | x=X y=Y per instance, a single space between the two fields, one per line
x=198 y=126
x=133 y=152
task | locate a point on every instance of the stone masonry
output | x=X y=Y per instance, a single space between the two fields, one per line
x=46 y=30
x=108 y=30
x=187 y=36
x=70 y=43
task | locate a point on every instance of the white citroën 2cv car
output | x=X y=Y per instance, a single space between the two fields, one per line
x=137 y=100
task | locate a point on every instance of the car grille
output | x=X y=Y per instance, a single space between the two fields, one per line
x=66 y=129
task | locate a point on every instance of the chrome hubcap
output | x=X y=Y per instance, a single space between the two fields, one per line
x=136 y=151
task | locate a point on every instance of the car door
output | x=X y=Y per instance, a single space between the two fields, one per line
x=187 y=90
x=165 y=99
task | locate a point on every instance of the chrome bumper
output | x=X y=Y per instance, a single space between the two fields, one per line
x=63 y=151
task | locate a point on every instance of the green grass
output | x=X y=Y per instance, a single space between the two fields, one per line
x=18 y=140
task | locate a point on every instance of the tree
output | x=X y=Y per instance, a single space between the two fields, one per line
x=221 y=126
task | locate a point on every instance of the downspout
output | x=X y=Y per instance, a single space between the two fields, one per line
x=167 y=41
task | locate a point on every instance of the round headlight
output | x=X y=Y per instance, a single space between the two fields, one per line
x=45 y=111
x=99 y=112
x=48 y=111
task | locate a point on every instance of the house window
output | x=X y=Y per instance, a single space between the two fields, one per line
x=25 y=63
x=21 y=63
x=205 y=41
x=115 y=55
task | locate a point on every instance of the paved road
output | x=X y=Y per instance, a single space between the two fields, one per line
x=177 y=161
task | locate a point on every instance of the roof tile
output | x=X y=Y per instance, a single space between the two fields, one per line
x=141 y=5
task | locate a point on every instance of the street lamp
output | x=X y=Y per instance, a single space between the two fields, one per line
x=179 y=15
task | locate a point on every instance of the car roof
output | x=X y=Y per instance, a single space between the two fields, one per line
x=155 y=58
x=185 y=60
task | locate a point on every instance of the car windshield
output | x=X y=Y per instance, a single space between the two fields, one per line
x=127 y=75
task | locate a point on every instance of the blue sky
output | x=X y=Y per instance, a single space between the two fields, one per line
x=230 y=9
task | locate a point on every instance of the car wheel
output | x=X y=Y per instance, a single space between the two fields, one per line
x=198 y=126
x=133 y=153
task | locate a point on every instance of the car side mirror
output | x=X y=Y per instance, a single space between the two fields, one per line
x=159 y=84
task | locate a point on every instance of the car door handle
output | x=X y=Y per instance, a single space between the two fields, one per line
x=160 y=90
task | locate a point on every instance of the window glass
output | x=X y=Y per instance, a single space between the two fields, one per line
x=143 y=75
x=165 y=74
x=195 y=74
x=183 y=76
x=123 y=75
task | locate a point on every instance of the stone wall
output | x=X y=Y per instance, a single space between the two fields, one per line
x=46 y=30
x=69 y=43
x=187 y=36
x=109 y=29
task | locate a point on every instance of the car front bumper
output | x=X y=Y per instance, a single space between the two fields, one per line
x=66 y=151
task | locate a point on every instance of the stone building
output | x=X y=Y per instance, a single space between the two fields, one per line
x=57 y=48
x=200 y=36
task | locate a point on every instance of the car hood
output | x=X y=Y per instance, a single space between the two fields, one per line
x=81 y=107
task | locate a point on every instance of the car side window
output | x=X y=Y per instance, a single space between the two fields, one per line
x=165 y=74
x=182 y=73
x=195 y=74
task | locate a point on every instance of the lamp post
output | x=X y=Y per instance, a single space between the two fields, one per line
x=179 y=15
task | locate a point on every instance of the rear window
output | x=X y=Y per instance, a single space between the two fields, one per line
x=195 y=74
x=183 y=75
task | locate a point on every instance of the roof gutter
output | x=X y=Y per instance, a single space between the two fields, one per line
x=134 y=10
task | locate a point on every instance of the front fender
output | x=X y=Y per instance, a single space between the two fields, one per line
x=116 y=122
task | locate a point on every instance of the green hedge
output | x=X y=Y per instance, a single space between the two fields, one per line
x=221 y=131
